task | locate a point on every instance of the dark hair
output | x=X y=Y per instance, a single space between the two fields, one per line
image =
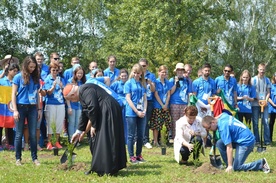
x=123 y=70
x=12 y=66
x=206 y=65
x=75 y=79
x=230 y=66
x=96 y=71
x=25 y=71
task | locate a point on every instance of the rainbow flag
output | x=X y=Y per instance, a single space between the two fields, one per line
x=227 y=106
x=6 y=112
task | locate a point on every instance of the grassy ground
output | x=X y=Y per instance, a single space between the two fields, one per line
x=158 y=168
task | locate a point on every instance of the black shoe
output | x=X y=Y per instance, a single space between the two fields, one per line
x=88 y=172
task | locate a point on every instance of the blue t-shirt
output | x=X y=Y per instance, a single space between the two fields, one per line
x=204 y=89
x=5 y=81
x=68 y=73
x=56 y=98
x=180 y=95
x=118 y=87
x=75 y=105
x=26 y=94
x=152 y=77
x=136 y=91
x=112 y=75
x=232 y=130
x=44 y=71
x=228 y=86
x=272 y=109
x=162 y=90
x=249 y=90
x=107 y=89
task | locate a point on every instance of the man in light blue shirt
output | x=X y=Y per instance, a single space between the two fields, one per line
x=234 y=135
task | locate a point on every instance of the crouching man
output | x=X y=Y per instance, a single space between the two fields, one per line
x=234 y=135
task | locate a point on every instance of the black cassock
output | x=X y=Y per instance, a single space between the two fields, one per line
x=108 y=146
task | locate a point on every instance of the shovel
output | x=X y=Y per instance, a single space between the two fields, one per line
x=214 y=159
x=64 y=157
x=261 y=148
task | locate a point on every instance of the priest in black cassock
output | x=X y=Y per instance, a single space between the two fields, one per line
x=102 y=115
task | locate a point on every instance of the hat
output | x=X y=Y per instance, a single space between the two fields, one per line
x=68 y=89
x=10 y=59
x=179 y=66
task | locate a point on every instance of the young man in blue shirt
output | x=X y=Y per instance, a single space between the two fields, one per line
x=234 y=135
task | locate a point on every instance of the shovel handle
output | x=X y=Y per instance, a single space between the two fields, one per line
x=262 y=103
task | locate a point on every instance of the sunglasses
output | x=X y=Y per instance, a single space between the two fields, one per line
x=227 y=71
x=54 y=70
x=56 y=58
x=144 y=65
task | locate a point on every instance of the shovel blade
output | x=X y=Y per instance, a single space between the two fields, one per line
x=63 y=158
x=261 y=149
x=216 y=161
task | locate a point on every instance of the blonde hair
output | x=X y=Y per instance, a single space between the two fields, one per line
x=138 y=68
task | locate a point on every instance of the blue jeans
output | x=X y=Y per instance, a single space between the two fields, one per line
x=29 y=112
x=241 y=154
x=135 y=125
x=256 y=111
x=73 y=121
x=148 y=116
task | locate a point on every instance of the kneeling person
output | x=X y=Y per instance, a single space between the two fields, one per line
x=234 y=134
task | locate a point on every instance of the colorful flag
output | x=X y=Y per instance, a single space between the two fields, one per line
x=203 y=109
x=227 y=106
x=6 y=112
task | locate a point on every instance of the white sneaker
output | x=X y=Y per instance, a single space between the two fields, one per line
x=148 y=145
x=266 y=167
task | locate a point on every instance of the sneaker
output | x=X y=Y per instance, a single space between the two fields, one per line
x=18 y=162
x=26 y=147
x=1 y=148
x=58 y=145
x=36 y=162
x=171 y=141
x=133 y=160
x=49 y=146
x=140 y=159
x=266 y=167
x=39 y=148
x=148 y=145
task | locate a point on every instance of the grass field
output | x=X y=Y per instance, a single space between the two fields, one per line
x=158 y=168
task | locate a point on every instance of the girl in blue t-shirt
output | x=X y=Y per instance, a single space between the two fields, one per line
x=54 y=105
x=118 y=87
x=74 y=108
x=26 y=106
x=11 y=71
x=272 y=105
x=136 y=97
x=245 y=95
x=161 y=114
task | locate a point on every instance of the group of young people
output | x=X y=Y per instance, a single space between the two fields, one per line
x=144 y=103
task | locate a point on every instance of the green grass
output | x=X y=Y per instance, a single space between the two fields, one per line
x=158 y=168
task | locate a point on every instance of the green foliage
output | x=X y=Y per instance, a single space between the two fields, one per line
x=70 y=147
x=164 y=136
x=54 y=137
x=196 y=152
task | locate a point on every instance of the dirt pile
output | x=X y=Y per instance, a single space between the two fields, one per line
x=207 y=168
